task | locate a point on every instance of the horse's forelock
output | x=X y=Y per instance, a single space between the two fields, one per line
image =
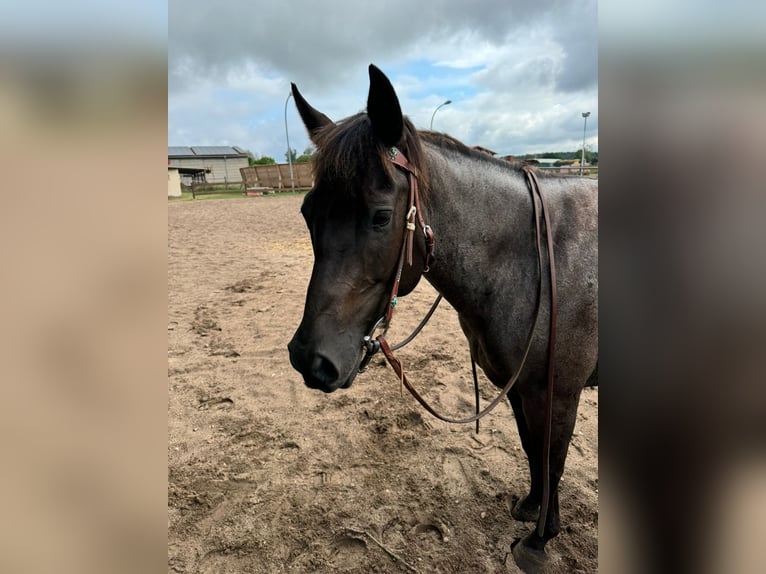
x=344 y=151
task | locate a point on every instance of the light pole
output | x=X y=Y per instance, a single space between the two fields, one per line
x=582 y=161
x=289 y=150
x=436 y=110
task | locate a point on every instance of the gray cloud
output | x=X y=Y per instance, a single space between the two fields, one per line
x=530 y=54
x=316 y=41
x=578 y=35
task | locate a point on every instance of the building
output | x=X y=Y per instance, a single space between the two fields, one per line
x=221 y=164
x=544 y=161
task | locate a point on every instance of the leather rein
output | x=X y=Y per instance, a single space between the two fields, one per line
x=371 y=346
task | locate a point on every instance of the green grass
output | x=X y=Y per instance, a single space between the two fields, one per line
x=219 y=195
x=187 y=195
x=283 y=193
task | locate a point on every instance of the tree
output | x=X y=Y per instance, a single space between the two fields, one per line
x=265 y=160
x=291 y=155
x=591 y=157
x=308 y=153
x=250 y=157
x=564 y=157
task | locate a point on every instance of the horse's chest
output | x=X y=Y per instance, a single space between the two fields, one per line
x=483 y=350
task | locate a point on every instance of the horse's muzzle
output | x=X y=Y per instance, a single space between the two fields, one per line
x=319 y=371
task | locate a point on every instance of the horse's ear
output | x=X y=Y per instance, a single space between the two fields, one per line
x=383 y=109
x=312 y=119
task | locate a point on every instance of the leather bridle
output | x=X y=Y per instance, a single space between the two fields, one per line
x=371 y=346
x=414 y=211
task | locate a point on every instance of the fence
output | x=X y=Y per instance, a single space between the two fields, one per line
x=258 y=179
x=206 y=188
x=589 y=170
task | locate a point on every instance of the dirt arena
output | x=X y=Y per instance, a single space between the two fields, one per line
x=266 y=475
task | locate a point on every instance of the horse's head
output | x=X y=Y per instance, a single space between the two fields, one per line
x=356 y=217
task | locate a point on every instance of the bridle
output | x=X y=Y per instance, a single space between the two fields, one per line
x=415 y=210
x=372 y=346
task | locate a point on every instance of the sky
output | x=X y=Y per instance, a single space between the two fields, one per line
x=519 y=73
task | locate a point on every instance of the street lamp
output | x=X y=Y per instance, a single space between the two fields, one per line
x=289 y=150
x=582 y=161
x=436 y=110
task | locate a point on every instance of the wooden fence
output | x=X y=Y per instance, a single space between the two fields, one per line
x=589 y=170
x=207 y=188
x=258 y=179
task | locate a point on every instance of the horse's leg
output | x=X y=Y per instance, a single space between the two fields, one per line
x=529 y=552
x=528 y=508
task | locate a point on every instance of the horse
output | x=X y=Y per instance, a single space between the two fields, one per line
x=478 y=250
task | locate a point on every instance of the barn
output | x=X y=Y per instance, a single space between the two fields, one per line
x=221 y=163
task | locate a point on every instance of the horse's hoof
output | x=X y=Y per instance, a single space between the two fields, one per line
x=528 y=559
x=525 y=511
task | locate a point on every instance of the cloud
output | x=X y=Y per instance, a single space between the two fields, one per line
x=506 y=66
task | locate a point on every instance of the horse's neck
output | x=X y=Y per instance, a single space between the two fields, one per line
x=481 y=215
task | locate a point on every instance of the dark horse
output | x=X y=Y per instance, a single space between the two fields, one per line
x=486 y=266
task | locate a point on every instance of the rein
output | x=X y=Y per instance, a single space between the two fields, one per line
x=372 y=346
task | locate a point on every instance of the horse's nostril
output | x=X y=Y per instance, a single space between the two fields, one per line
x=319 y=371
x=324 y=370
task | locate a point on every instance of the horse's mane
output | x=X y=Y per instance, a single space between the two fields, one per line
x=445 y=141
x=448 y=142
x=344 y=150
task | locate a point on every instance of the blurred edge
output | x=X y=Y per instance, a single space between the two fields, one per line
x=683 y=282
x=83 y=134
x=83 y=234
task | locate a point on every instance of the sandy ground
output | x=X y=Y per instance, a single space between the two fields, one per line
x=266 y=475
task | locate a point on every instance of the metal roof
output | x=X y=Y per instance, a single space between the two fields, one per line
x=178 y=150
x=205 y=151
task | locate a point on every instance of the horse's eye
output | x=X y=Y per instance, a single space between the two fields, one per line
x=381 y=218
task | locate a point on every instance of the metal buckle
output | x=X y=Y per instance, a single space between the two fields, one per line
x=370 y=345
